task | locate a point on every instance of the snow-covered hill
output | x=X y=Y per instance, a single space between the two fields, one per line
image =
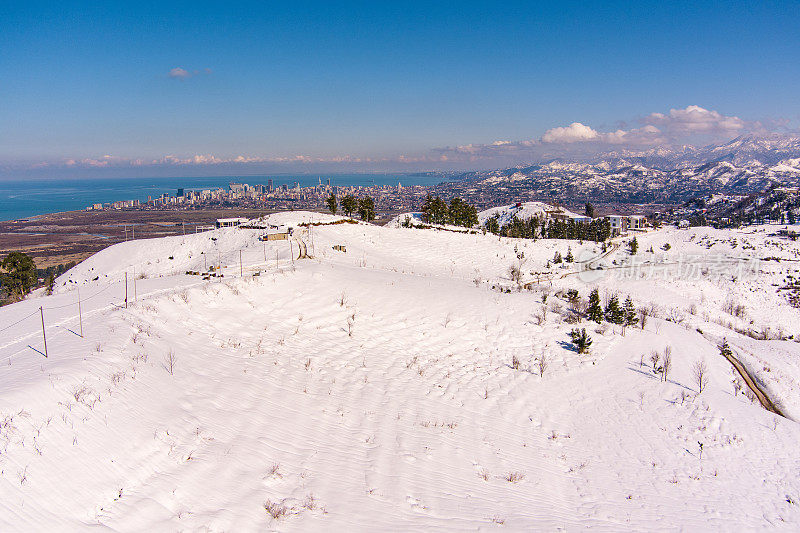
x=375 y=388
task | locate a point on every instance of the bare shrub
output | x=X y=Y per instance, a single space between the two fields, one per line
x=515 y=362
x=666 y=363
x=343 y=299
x=169 y=362
x=700 y=374
x=514 y=477
x=734 y=308
x=654 y=358
x=644 y=313
x=542 y=363
x=275 y=509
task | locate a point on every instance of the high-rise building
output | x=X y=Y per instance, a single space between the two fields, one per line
x=270 y=185
x=180 y=192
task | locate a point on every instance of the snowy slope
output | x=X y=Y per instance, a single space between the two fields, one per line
x=373 y=389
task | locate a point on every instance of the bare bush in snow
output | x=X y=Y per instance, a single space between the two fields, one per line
x=169 y=362
x=700 y=374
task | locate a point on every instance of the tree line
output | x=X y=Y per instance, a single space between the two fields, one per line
x=597 y=230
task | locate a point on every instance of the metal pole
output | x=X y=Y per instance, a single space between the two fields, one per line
x=126 y=290
x=80 y=314
x=44 y=337
x=241 y=271
x=265 y=252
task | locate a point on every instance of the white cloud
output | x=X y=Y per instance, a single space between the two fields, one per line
x=182 y=74
x=696 y=120
x=179 y=73
x=575 y=132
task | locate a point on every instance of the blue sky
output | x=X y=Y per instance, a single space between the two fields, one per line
x=370 y=86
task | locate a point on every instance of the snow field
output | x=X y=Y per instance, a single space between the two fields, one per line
x=374 y=390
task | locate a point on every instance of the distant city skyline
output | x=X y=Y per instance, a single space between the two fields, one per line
x=199 y=90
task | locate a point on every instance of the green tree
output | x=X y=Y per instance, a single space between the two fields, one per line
x=349 y=205
x=633 y=246
x=595 y=311
x=569 y=258
x=492 y=225
x=580 y=339
x=51 y=283
x=435 y=211
x=629 y=315
x=19 y=274
x=366 y=208
x=332 y=203
x=614 y=313
x=589 y=210
x=461 y=213
x=724 y=349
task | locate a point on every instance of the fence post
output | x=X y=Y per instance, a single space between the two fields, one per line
x=80 y=314
x=44 y=337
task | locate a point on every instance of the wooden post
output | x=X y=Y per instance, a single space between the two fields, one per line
x=126 y=290
x=44 y=337
x=80 y=315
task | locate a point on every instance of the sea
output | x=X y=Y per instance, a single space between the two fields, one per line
x=21 y=199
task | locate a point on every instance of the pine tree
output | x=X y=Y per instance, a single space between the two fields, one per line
x=724 y=349
x=629 y=314
x=557 y=258
x=569 y=258
x=366 y=208
x=614 y=313
x=349 y=205
x=580 y=339
x=51 y=283
x=595 y=312
x=332 y=204
x=589 y=210
x=633 y=246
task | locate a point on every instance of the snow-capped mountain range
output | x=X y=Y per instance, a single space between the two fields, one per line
x=744 y=165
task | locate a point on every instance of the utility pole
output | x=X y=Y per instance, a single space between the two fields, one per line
x=126 y=290
x=241 y=270
x=80 y=315
x=44 y=337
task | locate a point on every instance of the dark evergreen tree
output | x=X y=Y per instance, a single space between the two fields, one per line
x=589 y=210
x=633 y=246
x=595 y=311
x=569 y=258
x=332 y=204
x=613 y=312
x=366 y=208
x=19 y=274
x=580 y=339
x=630 y=317
x=349 y=205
